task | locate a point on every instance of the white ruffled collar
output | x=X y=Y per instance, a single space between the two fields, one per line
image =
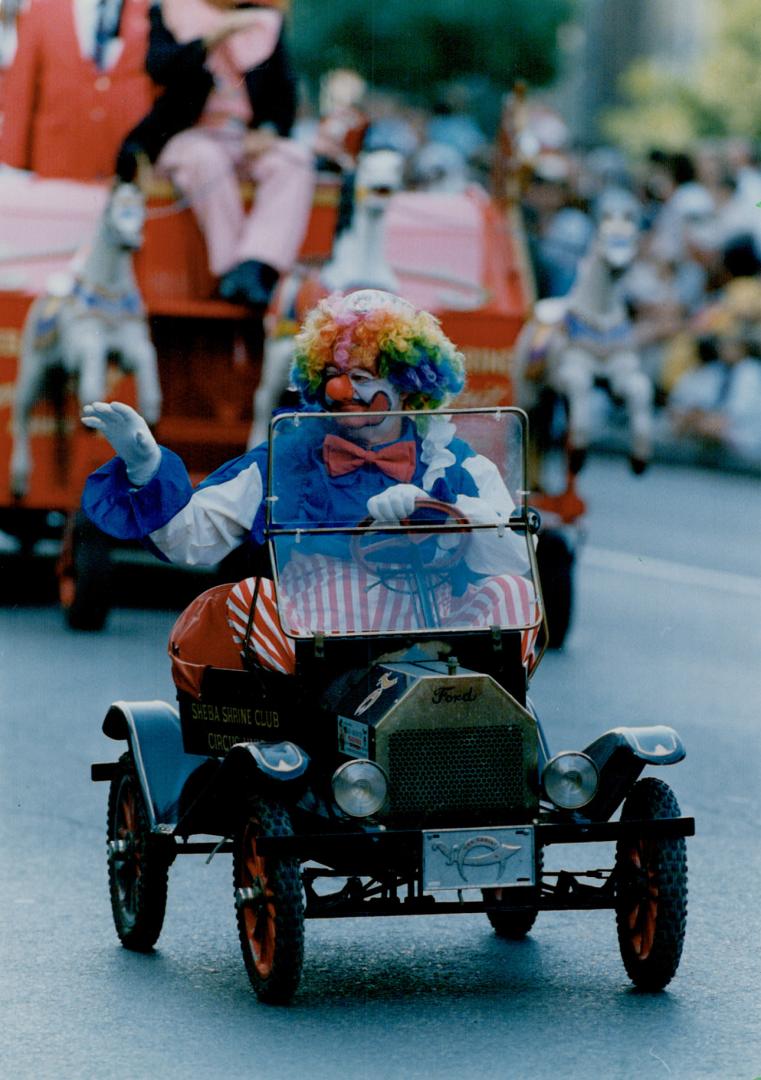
x=434 y=451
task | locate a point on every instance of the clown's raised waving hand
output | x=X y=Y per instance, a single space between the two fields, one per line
x=129 y=435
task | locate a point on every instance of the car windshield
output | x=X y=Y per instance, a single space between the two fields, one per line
x=460 y=561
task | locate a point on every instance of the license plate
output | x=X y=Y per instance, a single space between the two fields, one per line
x=478 y=858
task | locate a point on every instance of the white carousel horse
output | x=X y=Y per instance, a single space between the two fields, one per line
x=74 y=331
x=358 y=261
x=573 y=340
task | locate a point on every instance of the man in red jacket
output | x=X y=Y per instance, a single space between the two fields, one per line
x=76 y=86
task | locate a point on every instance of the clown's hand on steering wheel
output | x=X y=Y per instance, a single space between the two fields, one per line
x=395 y=503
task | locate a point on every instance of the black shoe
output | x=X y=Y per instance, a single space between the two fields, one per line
x=228 y=286
x=250 y=282
x=127 y=161
x=577 y=456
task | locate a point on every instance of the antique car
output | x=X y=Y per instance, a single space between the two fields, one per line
x=402 y=769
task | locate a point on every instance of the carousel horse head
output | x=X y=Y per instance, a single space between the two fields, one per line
x=618 y=215
x=124 y=217
x=380 y=173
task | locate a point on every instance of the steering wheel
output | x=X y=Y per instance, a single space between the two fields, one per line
x=368 y=550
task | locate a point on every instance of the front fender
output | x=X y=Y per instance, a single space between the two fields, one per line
x=283 y=761
x=249 y=770
x=620 y=756
x=152 y=730
x=265 y=767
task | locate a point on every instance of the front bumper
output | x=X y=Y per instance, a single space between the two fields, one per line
x=408 y=842
x=396 y=859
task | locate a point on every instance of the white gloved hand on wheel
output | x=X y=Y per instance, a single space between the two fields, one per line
x=129 y=435
x=395 y=503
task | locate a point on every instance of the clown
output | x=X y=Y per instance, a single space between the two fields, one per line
x=365 y=359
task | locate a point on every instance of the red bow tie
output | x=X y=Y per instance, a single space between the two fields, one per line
x=342 y=457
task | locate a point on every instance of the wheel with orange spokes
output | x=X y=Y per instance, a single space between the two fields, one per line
x=651 y=890
x=269 y=906
x=138 y=863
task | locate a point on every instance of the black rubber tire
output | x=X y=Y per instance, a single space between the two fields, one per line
x=512 y=925
x=138 y=873
x=85 y=586
x=651 y=890
x=515 y=925
x=555 y=559
x=271 y=932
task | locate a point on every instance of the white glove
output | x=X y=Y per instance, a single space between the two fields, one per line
x=129 y=435
x=395 y=503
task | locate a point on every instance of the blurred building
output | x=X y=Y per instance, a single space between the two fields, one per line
x=609 y=35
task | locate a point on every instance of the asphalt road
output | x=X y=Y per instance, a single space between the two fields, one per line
x=667 y=630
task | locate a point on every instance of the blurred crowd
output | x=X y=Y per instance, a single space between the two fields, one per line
x=694 y=289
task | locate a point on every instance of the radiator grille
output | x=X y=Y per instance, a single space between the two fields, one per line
x=475 y=768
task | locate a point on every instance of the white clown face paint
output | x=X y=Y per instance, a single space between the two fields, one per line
x=359 y=394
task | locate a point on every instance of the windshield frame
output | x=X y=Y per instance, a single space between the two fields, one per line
x=520 y=521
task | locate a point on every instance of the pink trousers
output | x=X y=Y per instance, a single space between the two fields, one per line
x=207 y=164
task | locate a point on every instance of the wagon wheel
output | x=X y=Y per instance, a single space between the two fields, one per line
x=651 y=892
x=269 y=906
x=84 y=574
x=138 y=863
x=514 y=925
x=555 y=561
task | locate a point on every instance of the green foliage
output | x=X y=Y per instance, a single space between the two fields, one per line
x=415 y=46
x=720 y=96
x=665 y=111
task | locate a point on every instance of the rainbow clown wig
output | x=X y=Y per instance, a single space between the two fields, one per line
x=412 y=350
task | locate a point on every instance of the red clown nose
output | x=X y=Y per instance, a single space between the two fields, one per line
x=339 y=388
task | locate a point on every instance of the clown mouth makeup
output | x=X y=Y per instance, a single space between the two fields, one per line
x=358 y=414
x=380 y=402
x=360 y=401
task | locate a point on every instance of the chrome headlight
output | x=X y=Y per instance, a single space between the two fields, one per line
x=570 y=780
x=360 y=787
